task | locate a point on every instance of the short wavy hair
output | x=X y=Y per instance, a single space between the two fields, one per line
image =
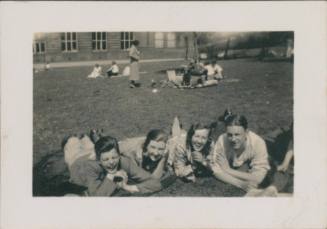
x=105 y=144
x=191 y=131
x=154 y=135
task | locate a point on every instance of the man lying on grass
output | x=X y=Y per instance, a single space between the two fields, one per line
x=240 y=156
x=241 y=159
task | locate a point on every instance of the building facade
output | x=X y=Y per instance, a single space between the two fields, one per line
x=84 y=46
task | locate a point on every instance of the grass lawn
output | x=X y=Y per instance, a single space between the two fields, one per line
x=66 y=102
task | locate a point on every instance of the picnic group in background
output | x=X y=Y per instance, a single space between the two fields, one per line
x=144 y=165
x=195 y=74
x=199 y=74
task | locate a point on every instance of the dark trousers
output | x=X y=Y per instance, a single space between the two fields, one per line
x=193 y=72
x=110 y=73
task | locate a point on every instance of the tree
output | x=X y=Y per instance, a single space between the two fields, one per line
x=226 y=48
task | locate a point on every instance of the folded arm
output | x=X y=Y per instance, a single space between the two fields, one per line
x=224 y=176
x=255 y=177
x=159 y=170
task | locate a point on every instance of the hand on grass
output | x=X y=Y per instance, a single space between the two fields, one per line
x=191 y=178
x=130 y=188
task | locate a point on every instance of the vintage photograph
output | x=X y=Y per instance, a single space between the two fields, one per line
x=163 y=114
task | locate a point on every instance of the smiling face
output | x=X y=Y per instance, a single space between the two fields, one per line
x=156 y=149
x=236 y=136
x=110 y=160
x=199 y=139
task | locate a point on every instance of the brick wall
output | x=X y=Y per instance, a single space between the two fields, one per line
x=113 y=52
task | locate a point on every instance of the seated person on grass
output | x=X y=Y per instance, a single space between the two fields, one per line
x=97 y=72
x=151 y=154
x=192 y=153
x=240 y=156
x=194 y=69
x=110 y=172
x=214 y=71
x=113 y=70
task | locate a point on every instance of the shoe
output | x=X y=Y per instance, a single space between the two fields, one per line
x=95 y=135
x=253 y=192
x=271 y=191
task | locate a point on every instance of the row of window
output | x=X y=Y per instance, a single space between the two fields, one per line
x=159 y=40
x=99 y=41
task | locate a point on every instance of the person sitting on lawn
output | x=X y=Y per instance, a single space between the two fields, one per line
x=150 y=153
x=113 y=70
x=193 y=152
x=194 y=69
x=110 y=172
x=97 y=72
x=214 y=71
x=240 y=156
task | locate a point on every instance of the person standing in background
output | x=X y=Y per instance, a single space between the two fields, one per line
x=134 y=55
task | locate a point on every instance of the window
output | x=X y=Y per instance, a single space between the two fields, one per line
x=159 y=40
x=39 y=47
x=126 y=39
x=99 y=41
x=68 y=42
x=171 y=40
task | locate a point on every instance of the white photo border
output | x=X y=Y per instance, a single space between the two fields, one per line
x=307 y=208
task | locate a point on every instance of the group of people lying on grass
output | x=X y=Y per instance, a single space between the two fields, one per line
x=113 y=70
x=149 y=164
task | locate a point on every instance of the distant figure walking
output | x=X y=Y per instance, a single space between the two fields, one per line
x=134 y=55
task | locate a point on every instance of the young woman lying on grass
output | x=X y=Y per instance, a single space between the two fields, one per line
x=151 y=154
x=192 y=152
x=240 y=156
x=110 y=171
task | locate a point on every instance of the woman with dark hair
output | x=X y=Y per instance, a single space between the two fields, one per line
x=148 y=153
x=193 y=152
x=134 y=55
x=151 y=154
x=110 y=172
x=240 y=156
